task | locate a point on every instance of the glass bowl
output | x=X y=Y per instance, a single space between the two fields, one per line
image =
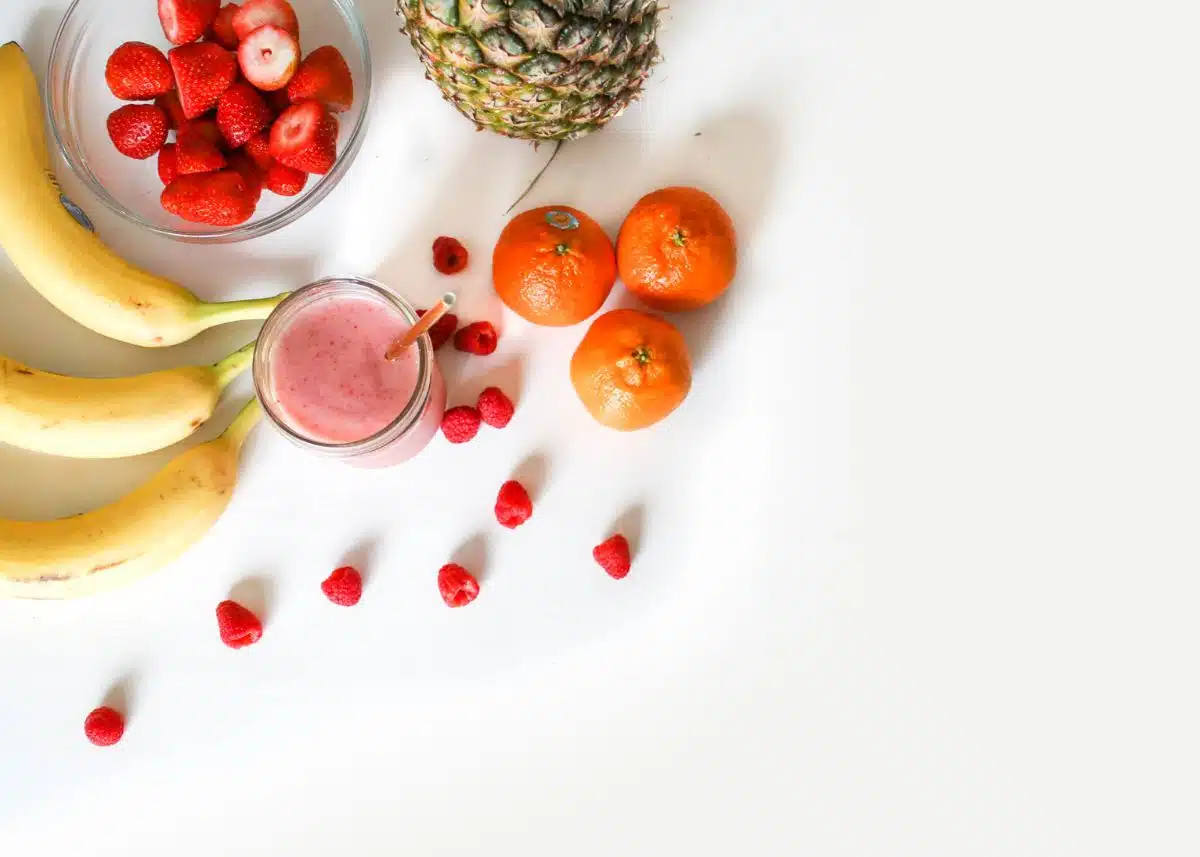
x=78 y=102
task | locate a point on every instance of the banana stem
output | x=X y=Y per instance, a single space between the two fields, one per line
x=231 y=311
x=233 y=365
x=243 y=423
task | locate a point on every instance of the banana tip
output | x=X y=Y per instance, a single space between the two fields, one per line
x=13 y=45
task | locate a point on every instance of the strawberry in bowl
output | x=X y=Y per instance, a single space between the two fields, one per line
x=206 y=94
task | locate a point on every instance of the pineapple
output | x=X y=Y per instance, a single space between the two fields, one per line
x=535 y=69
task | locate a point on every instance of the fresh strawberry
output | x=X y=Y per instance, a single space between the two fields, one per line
x=278 y=100
x=205 y=127
x=202 y=73
x=305 y=138
x=138 y=72
x=168 y=164
x=285 y=181
x=241 y=114
x=245 y=167
x=198 y=147
x=170 y=105
x=138 y=130
x=195 y=154
x=325 y=76
x=258 y=148
x=184 y=21
x=268 y=58
x=262 y=13
x=217 y=199
x=222 y=31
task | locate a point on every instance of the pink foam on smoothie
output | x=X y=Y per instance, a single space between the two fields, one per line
x=330 y=376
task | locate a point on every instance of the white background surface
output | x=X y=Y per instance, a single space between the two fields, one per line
x=915 y=561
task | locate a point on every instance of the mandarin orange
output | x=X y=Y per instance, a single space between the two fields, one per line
x=677 y=249
x=554 y=266
x=631 y=370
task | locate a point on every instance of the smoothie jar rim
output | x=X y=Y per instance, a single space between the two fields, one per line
x=277 y=322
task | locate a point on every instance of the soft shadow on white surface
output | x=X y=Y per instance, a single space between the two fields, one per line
x=123 y=696
x=474 y=555
x=256 y=593
x=39 y=37
x=362 y=557
x=631 y=524
x=534 y=474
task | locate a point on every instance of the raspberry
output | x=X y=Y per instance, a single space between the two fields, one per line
x=457 y=585
x=495 y=408
x=344 y=586
x=613 y=556
x=239 y=627
x=104 y=726
x=477 y=338
x=460 y=424
x=449 y=255
x=513 y=506
x=443 y=330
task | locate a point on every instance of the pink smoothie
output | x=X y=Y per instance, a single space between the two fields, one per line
x=333 y=384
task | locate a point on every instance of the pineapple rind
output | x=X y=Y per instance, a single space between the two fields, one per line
x=536 y=69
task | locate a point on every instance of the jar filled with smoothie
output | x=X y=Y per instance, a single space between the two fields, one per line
x=322 y=376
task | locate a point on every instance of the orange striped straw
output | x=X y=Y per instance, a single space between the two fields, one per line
x=431 y=317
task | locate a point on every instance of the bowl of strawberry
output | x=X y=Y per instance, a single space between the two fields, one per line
x=208 y=121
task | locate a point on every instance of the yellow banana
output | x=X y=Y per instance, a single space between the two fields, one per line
x=65 y=260
x=135 y=536
x=110 y=417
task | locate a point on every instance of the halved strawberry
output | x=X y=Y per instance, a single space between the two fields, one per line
x=138 y=130
x=261 y=13
x=168 y=164
x=325 y=76
x=202 y=73
x=195 y=154
x=138 y=72
x=269 y=57
x=305 y=138
x=169 y=104
x=285 y=181
x=218 y=199
x=258 y=148
x=184 y=21
x=241 y=114
x=241 y=162
x=222 y=31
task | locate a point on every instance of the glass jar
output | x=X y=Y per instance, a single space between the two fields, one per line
x=417 y=421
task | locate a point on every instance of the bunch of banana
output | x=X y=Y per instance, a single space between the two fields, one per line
x=53 y=246
x=64 y=259
x=135 y=536
x=110 y=417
